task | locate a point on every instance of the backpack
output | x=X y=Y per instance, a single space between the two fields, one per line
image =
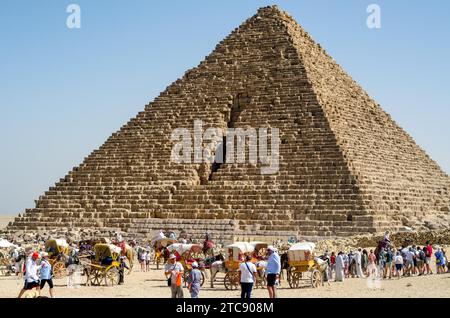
x=421 y=255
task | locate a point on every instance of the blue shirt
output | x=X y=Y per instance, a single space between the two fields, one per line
x=45 y=270
x=439 y=258
x=273 y=264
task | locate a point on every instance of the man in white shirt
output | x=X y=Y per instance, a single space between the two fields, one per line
x=174 y=270
x=31 y=276
x=273 y=270
x=248 y=277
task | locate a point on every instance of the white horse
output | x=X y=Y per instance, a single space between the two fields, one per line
x=216 y=267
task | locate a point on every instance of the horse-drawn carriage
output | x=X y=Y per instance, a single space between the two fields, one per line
x=186 y=255
x=235 y=255
x=160 y=245
x=303 y=266
x=105 y=266
x=58 y=251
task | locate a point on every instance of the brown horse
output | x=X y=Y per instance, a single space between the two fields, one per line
x=284 y=265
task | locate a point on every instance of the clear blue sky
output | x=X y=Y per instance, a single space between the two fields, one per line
x=63 y=92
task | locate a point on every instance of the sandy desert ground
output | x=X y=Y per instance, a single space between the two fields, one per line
x=153 y=285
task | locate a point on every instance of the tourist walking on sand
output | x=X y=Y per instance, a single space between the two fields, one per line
x=273 y=270
x=352 y=264
x=147 y=261
x=382 y=262
x=194 y=280
x=372 y=266
x=248 y=276
x=358 y=260
x=122 y=267
x=388 y=265
x=440 y=261
x=398 y=260
x=428 y=254
x=339 y=267
x=409 y=266
x=174 y=272
x=420 y=260
x=31 y=274
x=416 y=254
x=346 y=264
x=143 y=260
x=364 y=262
x=332 y=265
x=46 y=274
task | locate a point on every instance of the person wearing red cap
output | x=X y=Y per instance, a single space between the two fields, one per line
x=31 y=276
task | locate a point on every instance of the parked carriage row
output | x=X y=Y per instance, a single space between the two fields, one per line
x=101 y=266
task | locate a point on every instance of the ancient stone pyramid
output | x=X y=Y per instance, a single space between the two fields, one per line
x=345 y=165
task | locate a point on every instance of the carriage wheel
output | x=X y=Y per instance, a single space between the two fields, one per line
x=112 y=276
x=59 y=270
x=96 y=277
x=316 y=278
x=294 y=278
x=231 y=280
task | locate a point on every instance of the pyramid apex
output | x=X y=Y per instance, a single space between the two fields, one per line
x=272 y=8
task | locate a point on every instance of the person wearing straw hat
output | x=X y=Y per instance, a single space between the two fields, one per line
x=46 y=274
x=194 y=280
x=174 y=274
x=273 y=270
x=31 y=276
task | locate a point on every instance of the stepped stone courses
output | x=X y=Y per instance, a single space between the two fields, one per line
x=345 y=165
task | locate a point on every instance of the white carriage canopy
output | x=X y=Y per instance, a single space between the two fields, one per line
x=301 y=251
x=181 y=248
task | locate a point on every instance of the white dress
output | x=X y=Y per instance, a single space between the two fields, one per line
x=339 y=268
x=359 y=271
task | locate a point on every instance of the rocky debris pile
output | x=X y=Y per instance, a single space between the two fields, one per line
x=71 y=235
x=438 y=237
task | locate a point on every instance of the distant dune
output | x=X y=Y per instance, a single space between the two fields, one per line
x=5 y=219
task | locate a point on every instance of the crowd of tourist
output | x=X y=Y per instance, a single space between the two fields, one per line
x=386 y=263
